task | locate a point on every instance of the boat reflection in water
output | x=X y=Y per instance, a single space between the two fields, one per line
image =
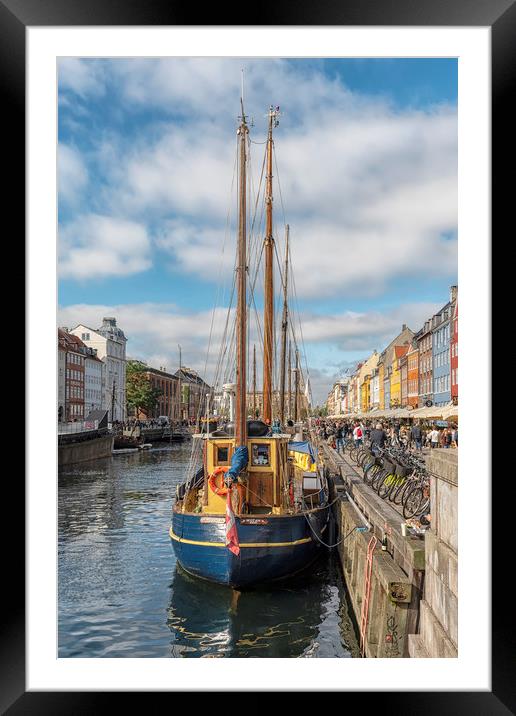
x=303 y=617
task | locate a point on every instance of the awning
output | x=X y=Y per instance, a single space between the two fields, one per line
x=451 y=411
x=434 y=411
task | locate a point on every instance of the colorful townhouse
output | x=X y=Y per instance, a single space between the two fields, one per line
x=413 y=374
x=404 y=378
x=424 y=342
x=381 y=376
x=441 y=335
x=395 y=377
x=454 y=354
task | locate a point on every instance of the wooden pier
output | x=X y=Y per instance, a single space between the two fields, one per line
x=387 y=586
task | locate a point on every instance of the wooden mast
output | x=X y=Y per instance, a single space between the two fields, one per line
x=268 y=320
x=284 y=327
x=296 y=388
x=289 y=382
x=241 y=356
x=254 y=381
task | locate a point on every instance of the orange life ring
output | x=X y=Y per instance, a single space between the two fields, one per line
x=222 y=490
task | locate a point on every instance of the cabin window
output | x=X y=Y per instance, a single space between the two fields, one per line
x=260 y=455
x=222 y=455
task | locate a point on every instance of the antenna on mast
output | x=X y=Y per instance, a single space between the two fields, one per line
x=243 y=117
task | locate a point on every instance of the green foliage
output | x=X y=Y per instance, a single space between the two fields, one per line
x=140 y=395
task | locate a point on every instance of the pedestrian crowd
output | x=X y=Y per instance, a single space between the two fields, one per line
x=419 y=435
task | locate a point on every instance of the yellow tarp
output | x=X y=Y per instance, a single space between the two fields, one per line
x=303 y=461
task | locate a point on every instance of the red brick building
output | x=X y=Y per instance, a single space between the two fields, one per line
x=168 y=401
x=74 y=356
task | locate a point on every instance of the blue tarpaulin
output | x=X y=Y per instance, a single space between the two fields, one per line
x=304 y=447
x=238 y=462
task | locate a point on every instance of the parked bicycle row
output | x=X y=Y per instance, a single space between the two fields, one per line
x=397 y=475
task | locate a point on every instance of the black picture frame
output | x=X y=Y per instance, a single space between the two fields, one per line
x=15 y=17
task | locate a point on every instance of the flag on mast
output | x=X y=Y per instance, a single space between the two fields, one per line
x=231 y=529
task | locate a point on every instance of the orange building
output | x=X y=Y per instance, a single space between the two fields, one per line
x=413 y=375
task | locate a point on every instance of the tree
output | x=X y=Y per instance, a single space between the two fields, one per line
x=140 y=394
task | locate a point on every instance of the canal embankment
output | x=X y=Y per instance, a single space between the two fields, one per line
x=79 y=448
x=386 y=572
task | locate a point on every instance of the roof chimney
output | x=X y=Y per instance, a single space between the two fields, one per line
x=404 y=327
x=453 y=293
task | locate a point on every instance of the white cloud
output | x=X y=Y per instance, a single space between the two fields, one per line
x=154 y=331
x=94 y=246
x=369 y=190
x=372 y=330
x=72 y=173
x=81 y=76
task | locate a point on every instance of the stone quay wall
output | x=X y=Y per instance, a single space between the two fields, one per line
x=438 y=626
x=86 y=450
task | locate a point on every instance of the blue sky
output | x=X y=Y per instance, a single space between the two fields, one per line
x=367 y=163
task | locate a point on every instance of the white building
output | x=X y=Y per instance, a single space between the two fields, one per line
x=109 y=341
x=94 y=382
x=374 y=401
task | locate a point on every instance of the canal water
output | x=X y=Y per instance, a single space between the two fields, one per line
x=121 y=592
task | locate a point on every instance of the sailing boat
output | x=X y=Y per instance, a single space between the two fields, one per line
x=258 y=507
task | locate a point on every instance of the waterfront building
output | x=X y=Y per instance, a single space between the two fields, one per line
x=168 y=402
x=387 y=358
x=75 y=354
x=110 y=343
x=413 y=374
x=381 y=378
x=354 y=394
x=365 y=390
x=403 y=364
x=375 y=389
x=454 y=354
x=395 y=376
x=61 y=377
x=255 y=401
x=94 y=381
x=364 y=377
x=441 y=334
x=424 y=342
x=337 y=397
x=194 y=392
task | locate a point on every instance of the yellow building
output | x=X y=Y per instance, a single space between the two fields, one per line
x=399 y=352
x=364 y=373
x=365 y=394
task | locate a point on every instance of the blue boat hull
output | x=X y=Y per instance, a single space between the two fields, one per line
x=278 y=548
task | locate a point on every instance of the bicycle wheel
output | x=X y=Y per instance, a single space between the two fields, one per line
x=370 y=472
x=380 y=475
x=414 y=501
x=385 y=486
x=397 y=485
x=397 y=497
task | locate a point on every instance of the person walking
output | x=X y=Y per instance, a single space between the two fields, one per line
x=339 y=437
x=378 y=438
x=434 y=438
x=357 y=435
x=417 y=436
